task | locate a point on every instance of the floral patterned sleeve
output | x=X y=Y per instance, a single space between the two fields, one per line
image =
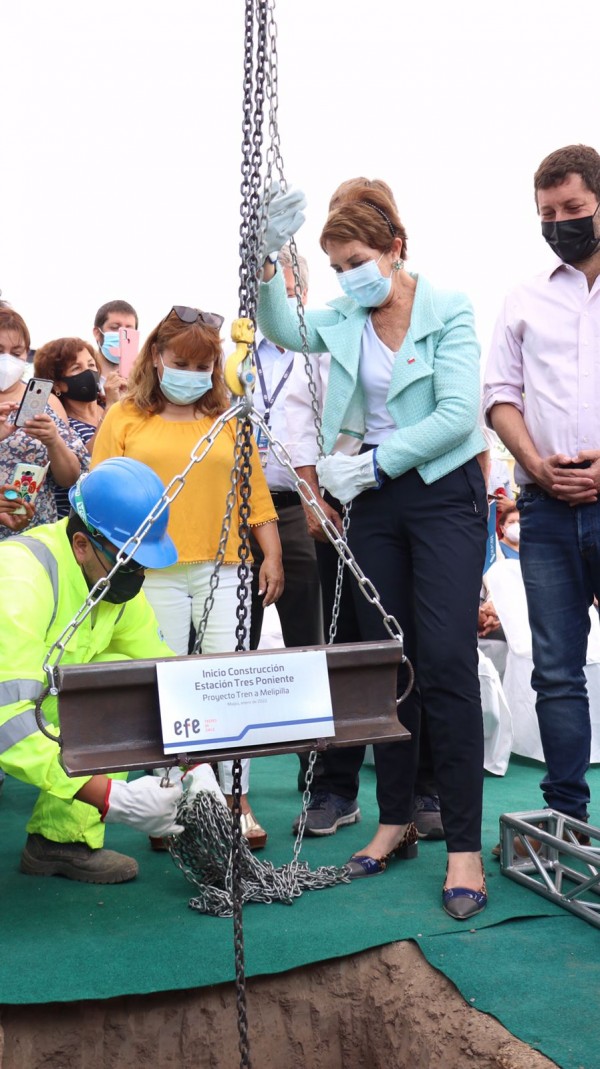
x=19 y=448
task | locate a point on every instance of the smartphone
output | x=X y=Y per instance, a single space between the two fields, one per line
x=27 y=480
x=129 y=344
x=34 y=400
x=582 y=464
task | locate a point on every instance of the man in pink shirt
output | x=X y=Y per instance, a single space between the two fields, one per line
x=542 y=397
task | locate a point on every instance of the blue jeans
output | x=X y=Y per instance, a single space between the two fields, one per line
x=560 y=561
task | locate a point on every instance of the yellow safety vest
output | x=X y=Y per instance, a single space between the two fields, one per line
x=41 y=589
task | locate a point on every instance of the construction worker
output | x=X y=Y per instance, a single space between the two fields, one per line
x=45 y=577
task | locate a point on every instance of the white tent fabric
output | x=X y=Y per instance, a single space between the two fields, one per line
x=497 y=719
x=505 y=584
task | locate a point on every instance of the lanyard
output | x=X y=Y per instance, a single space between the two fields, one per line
x=270 y=401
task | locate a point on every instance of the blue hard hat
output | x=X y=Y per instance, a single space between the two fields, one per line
x=115 y=498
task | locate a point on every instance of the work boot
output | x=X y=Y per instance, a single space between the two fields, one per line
x=76 y=861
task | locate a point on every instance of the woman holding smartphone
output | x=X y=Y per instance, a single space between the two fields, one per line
x=176 y=391
x=71 y=364
x=43 y=453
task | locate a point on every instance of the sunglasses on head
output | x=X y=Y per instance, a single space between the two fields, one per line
x=194 y=315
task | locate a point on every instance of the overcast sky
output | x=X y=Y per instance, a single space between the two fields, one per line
x=121 y=136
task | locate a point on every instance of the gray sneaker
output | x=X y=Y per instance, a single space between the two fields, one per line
x=328 y=812
x=427 y=817
x=76 y=861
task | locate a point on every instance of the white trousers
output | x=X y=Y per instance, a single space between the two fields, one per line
x=177 y=595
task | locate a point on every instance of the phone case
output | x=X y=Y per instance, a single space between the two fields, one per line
x=34 y=400
x=129 y=343
x=27 y=480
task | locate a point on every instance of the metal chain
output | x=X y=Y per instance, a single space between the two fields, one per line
x=244 y=569
x=274 y=158
x=203 y=853
x=251 y=234
x=339 y=578
x=306 y=797
x=252 y=210
x=237 y=905
x=230 y=501
x=247 y=128
x=128 y=551
x=367 y=588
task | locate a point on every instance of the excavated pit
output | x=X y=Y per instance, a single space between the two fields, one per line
x=385 y=1008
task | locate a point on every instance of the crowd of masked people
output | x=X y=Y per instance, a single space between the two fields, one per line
x=395 y=377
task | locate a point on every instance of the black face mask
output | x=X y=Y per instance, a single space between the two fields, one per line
x=124 y=584
x=82 y=387
x=124 y=587
x=573 y=240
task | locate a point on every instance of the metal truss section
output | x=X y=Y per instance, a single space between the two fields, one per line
x=541 y=850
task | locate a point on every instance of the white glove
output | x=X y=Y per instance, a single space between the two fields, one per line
x=143 y=804
x=347 y=477
x=285 y=216
x=202 y=778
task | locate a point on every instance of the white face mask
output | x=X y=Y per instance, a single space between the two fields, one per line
x=11 y=370
x=365 y=284
x=512 y=532
x=184 y=387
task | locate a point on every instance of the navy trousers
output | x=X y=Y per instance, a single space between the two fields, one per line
x=423 y=547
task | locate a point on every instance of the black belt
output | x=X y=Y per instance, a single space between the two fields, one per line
x=285 y=498
x=533 y=488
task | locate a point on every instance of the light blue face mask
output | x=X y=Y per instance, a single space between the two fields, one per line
x=184 y=387
x=111 y=341
x=365 y=284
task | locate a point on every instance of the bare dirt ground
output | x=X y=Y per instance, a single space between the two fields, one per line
x=386 y=1007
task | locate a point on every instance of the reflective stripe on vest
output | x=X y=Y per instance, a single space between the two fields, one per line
x=47 y=560
x=23 y=724
x=19 y=690
x=19 y=727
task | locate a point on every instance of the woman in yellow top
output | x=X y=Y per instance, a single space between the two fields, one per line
x=175 y=392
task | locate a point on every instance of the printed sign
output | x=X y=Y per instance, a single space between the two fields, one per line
x=235 y=702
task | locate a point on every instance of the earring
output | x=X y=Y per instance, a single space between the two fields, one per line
x=397 y=265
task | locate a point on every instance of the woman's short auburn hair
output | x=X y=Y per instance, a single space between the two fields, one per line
x=52 y=359
x=11 y=320
x=186 y=340
x=364 y=209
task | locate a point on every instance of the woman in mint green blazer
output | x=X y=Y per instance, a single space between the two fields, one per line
x=404 y=381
